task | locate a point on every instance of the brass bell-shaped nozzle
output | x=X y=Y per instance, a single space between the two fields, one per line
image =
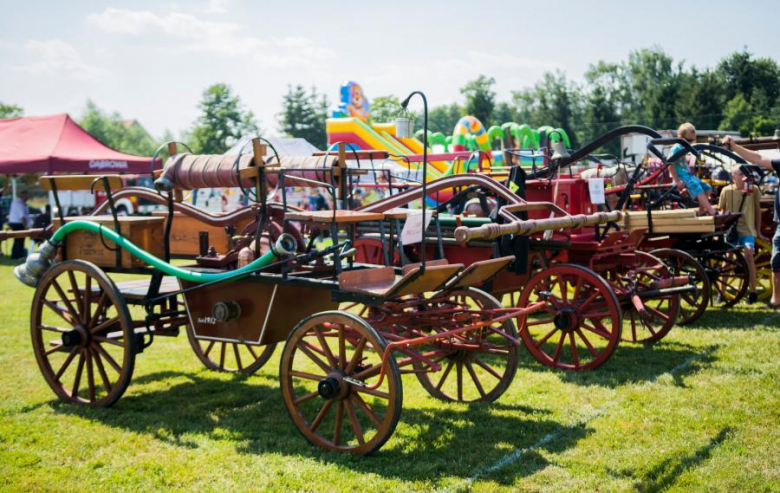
x=560 y=151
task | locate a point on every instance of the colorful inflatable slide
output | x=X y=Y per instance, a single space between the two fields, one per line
x=352 y=124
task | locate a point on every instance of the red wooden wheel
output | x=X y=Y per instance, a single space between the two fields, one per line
x=692 y=305
x=660 y=313
x=484 y=370
x=325 y=355
x=579 y=327
x=230 y=356
x=82 y=334
x=729 y=276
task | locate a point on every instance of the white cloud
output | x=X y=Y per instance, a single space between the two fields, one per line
x=194 y=34
x=216 y=7
x=55 y=57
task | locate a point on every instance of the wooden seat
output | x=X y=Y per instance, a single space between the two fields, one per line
x=384 y=283
x=479 y=272
x=340 y=216
x=139 y=288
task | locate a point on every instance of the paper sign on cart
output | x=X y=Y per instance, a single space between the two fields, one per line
x=596 y=189
x=413 y=228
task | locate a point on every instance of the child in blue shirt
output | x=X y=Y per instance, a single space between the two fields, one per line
x=682 y=176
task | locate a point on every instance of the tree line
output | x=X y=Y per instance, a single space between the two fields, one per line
x=741 y=92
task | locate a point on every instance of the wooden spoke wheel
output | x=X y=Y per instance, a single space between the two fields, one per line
x=329 y=363
x=230 y=356
x=728 y=271
x=579 y=326
x=82 y=334
x=763 y=257
x=660 y=313
x=486 y=365
x=692 y=305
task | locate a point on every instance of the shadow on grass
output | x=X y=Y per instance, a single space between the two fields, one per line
x=432 y=442
x=633 y=363
x=739 y=317
x=666 y=473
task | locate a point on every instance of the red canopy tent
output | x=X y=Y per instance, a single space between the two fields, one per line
x=57 y=144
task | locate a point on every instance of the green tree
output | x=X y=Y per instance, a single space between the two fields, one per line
x=303 y=115
x=385 y=109
x=702 y=98
x=443 y=118
x=746 y=75
x=10 y=111
x=553 y=101
x=503 y=113
x=115 y=132
x=603 y=101
x=653 y=87
x=222 y=122
x=480 y=98
x=739 y=114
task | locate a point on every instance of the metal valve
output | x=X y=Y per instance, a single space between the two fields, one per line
x=225 y=311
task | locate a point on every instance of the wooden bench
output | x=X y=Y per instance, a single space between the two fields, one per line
x=79 y=182
x=384 y=283
x=137 y=290
x=339 y=217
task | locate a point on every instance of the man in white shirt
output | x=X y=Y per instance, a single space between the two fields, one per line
x=18 y=219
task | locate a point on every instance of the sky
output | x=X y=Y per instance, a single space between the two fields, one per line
x=151 y=60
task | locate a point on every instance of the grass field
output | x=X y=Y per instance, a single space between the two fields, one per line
x=699 y=411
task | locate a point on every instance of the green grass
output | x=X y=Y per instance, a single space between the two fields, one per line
x=699 y=411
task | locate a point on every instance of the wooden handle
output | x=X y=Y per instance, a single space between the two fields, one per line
x=491 y=231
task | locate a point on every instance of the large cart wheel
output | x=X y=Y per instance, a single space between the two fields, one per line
x=579 y=327
x=82 y=334
x=728 y=272
x=692 y=305
x=660 y=312
x=483 y=371
x=230 y=356
x=330 y=362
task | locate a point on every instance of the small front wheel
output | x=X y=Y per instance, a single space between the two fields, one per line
x=484 y=365
x=230 y=357
x=328 y=371
x=692 y=305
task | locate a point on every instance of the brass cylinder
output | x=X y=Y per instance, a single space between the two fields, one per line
x=531 y=226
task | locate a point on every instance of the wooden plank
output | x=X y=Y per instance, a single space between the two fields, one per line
x=375 y=281
x=144 y=232
x=340 y=216
x=679 y=229
x=432 y=280
x=664 y=213
x=80 y=182
x=185 y=234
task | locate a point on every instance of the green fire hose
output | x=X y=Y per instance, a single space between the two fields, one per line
x=285 y=245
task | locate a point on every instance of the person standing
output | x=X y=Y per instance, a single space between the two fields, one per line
x=772 y=165
x=19 y=219
x=741 y=197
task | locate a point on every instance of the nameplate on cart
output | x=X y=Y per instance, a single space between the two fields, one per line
x=413 y=228
x=596 y=189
